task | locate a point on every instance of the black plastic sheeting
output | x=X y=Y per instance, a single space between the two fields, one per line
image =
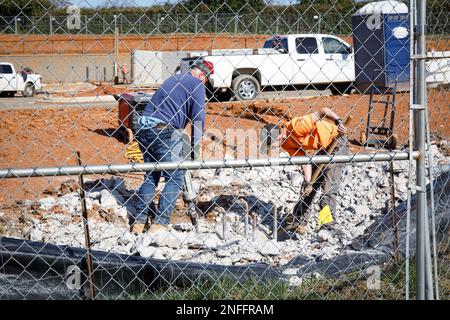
x=36 y=270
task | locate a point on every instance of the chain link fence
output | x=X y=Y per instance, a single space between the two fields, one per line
x=327 y=22
x=268 y=151
x=176 y=23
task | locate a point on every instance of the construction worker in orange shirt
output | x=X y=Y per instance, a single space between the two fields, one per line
x=314 y=132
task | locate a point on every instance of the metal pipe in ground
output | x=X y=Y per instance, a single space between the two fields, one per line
x=275 y=223
x=244 y=206
x=246 y=225
x=224 y=225
x=254 y=221
x=394 y=214
x=87 y=238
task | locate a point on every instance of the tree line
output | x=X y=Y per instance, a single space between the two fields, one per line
x=58 y=7
x=335 y=15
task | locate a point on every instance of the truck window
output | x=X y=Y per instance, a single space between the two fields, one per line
x=279 y=44
x=331 y=45
x=306 y=45
x=6 y=68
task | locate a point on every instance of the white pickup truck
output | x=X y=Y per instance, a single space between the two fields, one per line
x=316 y=60
x=24 y=81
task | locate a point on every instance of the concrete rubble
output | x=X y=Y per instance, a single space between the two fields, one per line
x=364 y=196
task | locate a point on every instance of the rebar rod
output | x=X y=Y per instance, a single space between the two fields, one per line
x=87 y=238
x=275 y=223
x=244 y=206
x=254 y=223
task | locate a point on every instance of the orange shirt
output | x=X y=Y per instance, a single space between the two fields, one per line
x=303 y=135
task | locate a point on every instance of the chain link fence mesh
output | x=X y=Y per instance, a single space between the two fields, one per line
x=76 y=76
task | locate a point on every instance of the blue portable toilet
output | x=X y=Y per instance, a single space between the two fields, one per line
x=381 y=43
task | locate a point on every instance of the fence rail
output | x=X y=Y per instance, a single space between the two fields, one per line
x=207 y=164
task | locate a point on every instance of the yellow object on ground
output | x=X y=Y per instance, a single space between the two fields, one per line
x=325 y=216
x=133 y=153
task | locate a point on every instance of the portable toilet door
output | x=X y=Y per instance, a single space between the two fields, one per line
x=381 y=42
x=396 y=35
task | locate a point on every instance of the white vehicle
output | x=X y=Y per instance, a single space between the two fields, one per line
x=317 y=60
x=24 y=81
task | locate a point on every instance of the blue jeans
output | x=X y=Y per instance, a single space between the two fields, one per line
x=159 y=145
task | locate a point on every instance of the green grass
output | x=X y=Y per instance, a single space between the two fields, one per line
x=350 y=286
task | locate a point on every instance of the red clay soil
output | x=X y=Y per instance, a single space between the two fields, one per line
x=98 y=44
x=107 y=89
x=104 y=44
x=41 y=138
x=102 y=89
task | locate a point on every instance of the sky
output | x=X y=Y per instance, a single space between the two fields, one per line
x=96 y=3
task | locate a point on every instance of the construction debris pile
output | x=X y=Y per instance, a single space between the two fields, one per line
x=225 y=235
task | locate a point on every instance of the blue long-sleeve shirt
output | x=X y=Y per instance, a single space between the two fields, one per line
x=180 y=99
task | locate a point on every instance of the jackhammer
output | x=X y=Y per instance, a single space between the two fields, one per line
x=189 y=196
x=189 y=192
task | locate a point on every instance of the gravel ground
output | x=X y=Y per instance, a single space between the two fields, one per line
x=364 y=196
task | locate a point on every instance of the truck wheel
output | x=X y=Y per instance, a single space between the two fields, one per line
x=245 y=87
x=28 y=91
x=340 y=89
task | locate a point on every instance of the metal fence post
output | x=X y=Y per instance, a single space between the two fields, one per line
x=16 y=30
x=116 y=51
x=139 y=28
x=215 y=16
x=424 y=282
x=196 y=23
x=157 y=23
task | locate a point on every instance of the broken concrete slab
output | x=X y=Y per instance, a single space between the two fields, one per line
x=270 y=248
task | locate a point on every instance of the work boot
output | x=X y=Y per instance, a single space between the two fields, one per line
x=157 y=229
x=290 y=219
x=139 y=228
x=291 y=224
x=301 y=229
